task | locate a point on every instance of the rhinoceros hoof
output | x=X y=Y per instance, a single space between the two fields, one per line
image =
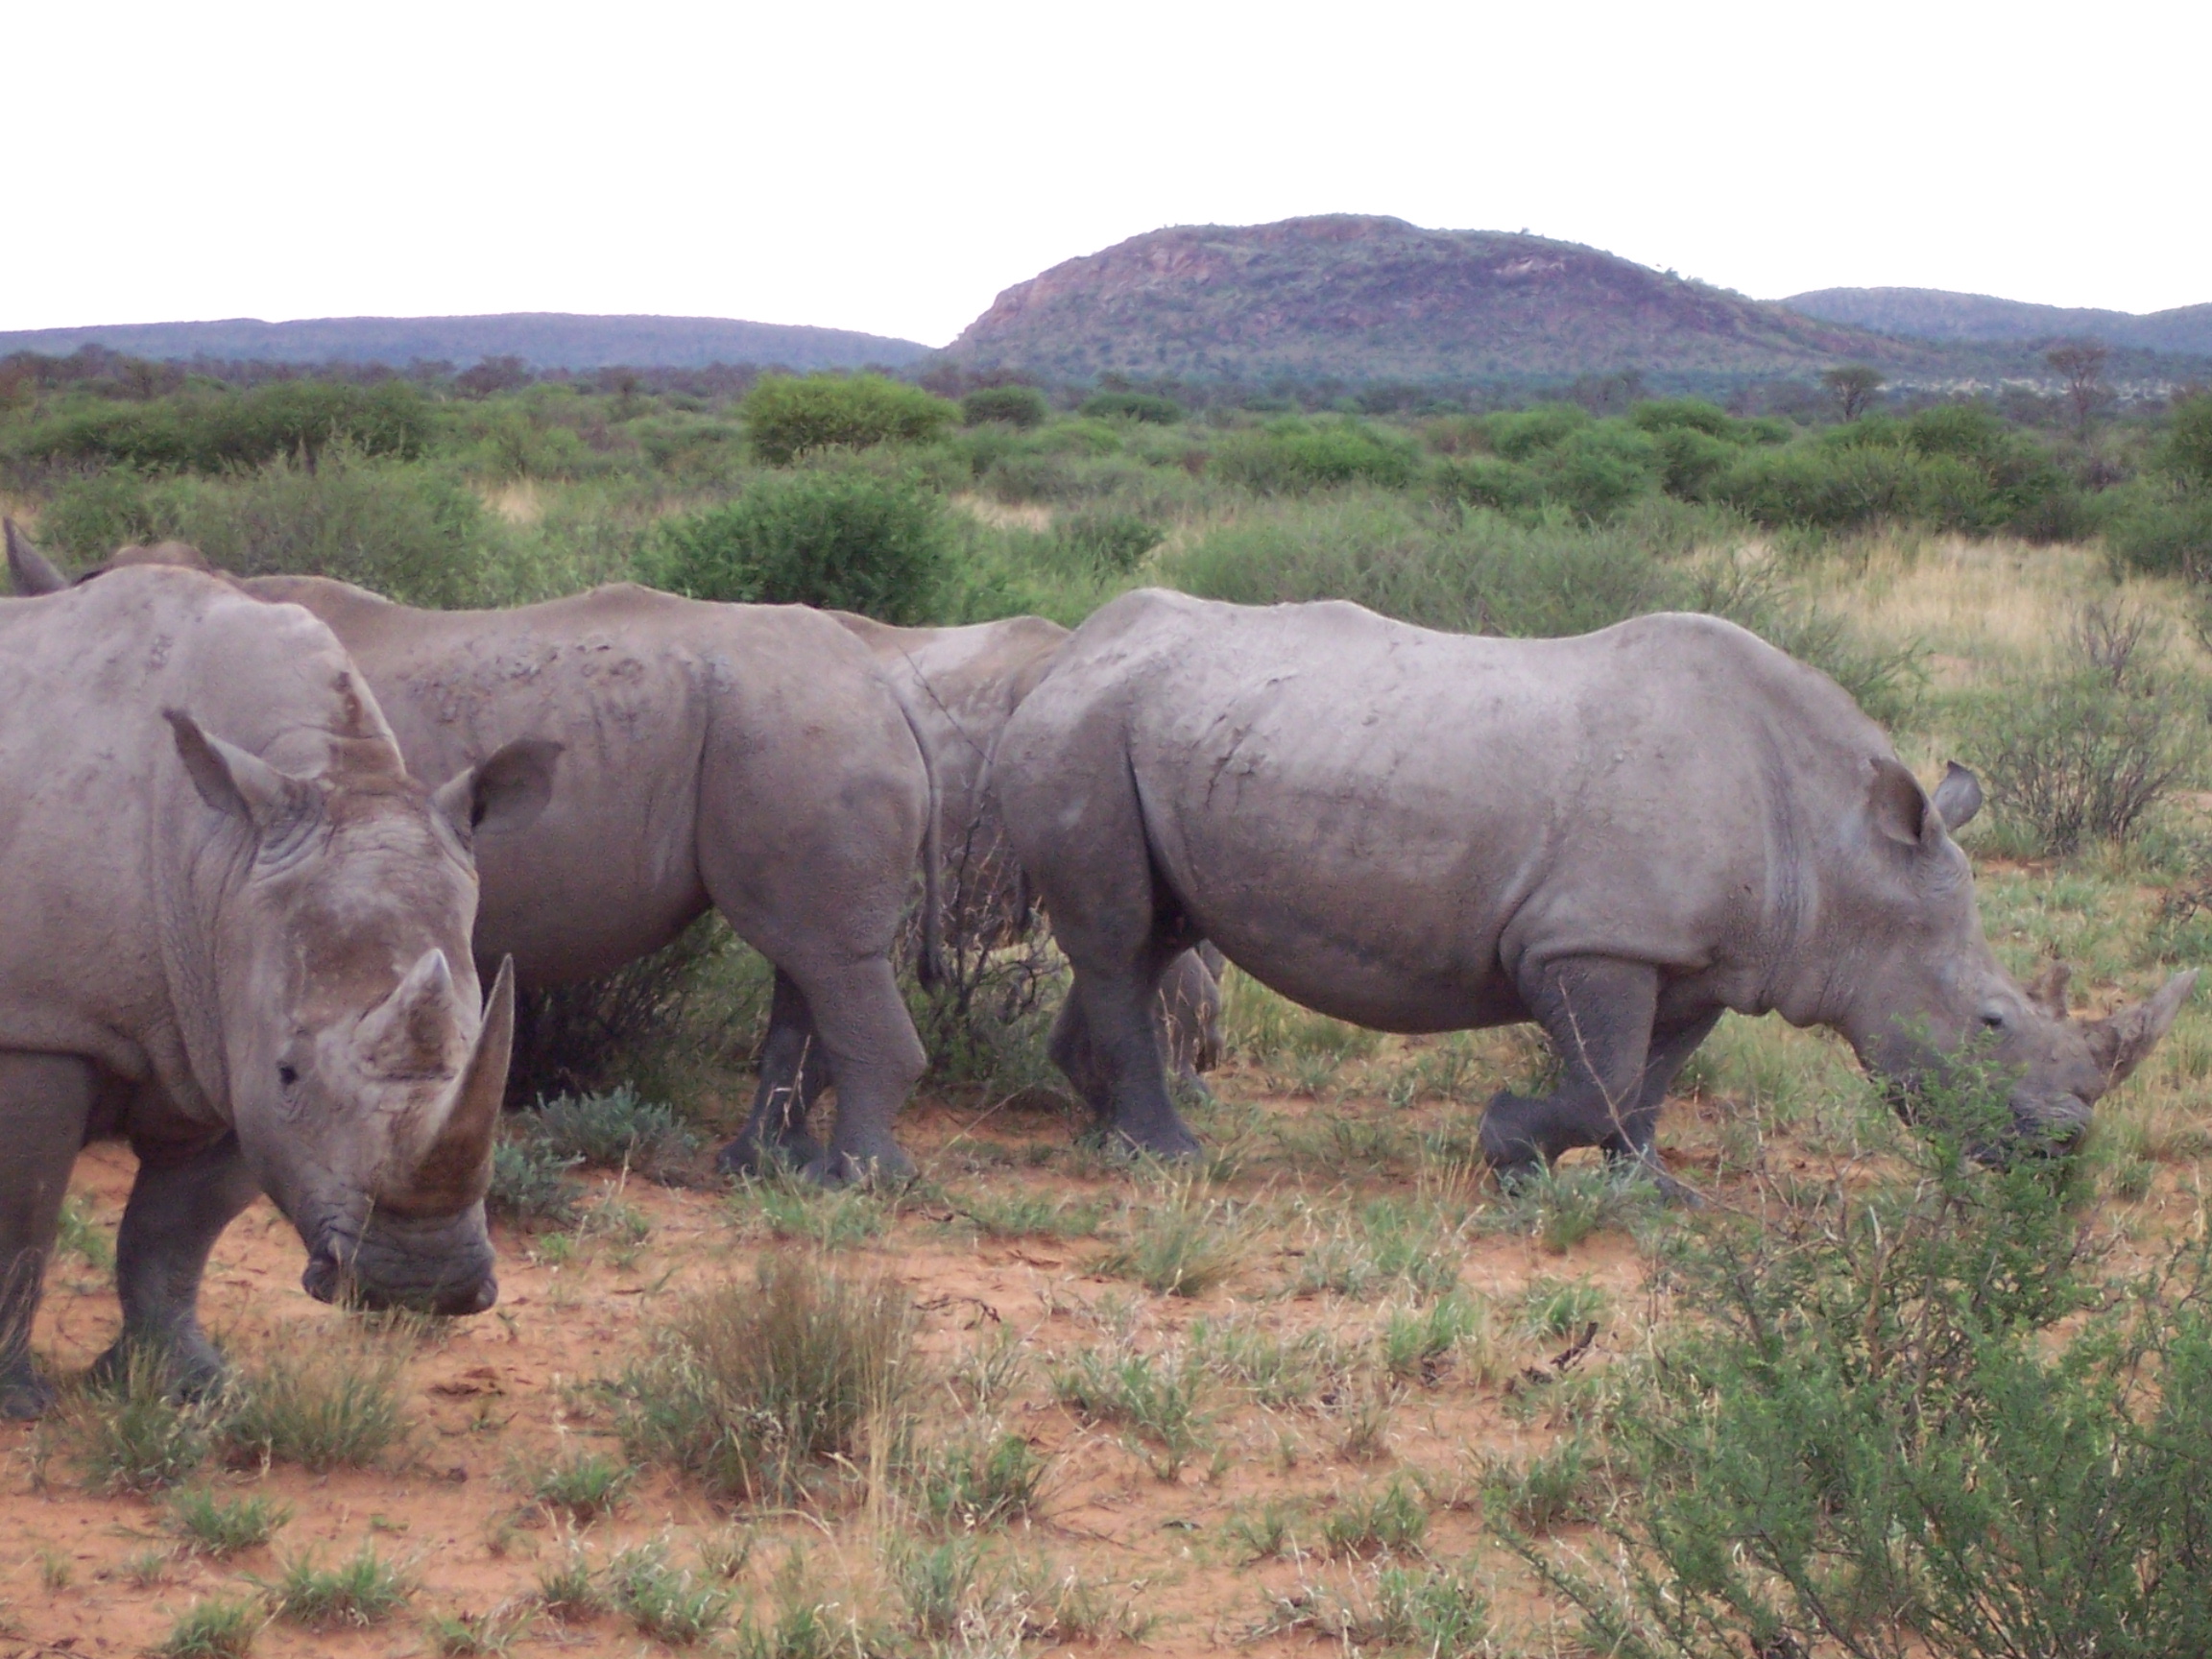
x=883 y=1171
x=1172 y=1146
x=189 y=1369
x=745 y=1156
x=23 y=1398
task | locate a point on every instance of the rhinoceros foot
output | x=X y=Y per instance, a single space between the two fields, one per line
x=187 y=1363
x=885 y=1168
x=24 y=1397
x=749 y=1154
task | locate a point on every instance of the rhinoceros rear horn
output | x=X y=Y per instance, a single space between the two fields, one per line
x=411 y=1032
x=2123 y=1041
x=456 y=1165
x=34 y=574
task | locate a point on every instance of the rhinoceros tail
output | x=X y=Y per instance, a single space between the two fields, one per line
x=931 y=968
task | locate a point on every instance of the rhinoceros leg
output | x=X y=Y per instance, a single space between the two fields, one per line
x=793 y=1073
x=1190 y=1013
x=1599 y=1014
x=45 y=1101
x=179 y=1205
x=1108 y=1041
x=1672 y=1043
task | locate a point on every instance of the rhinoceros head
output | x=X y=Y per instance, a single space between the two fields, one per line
x=1928 y=999
x=365 y=1072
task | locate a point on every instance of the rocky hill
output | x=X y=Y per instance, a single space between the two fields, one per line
x=542 y=339
x=1368 y=299
x=1938 y=314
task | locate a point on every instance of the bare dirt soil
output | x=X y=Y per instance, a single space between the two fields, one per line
x=1161 y=1558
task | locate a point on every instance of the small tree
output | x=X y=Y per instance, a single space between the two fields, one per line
x=2082 y=364
x=1854 y=385
x=787 y=417
x=846 y=540
x=1014 y=405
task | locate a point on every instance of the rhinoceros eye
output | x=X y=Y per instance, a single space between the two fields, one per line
x=287 y=1074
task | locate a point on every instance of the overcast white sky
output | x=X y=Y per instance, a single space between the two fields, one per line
x=891 y=167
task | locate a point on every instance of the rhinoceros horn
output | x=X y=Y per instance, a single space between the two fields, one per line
x=409 y=1033
x=455 y=1165
x=2121 y=1040
x=34 y=573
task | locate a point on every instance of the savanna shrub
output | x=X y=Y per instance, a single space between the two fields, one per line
x=2187 y=450
x=1288 y=457
x=1487 y=481
x=1133 y=406
x=1484 y=574
x=219 y=430
x=1011 y=405
x=1910 y=1420
x=2084 y=751
x=757 y=1389
x=413 y=533
x=1111 y=543
x=1598 y=469
x=1827 y=486
x=787 y=416
x=839 y=539
x=2160 y=527
x=1521 y=433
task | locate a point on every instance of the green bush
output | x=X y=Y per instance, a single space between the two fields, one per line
x=1288 y=457
x=1484 y=574
x=2187 y=451
x=2161 y=528
x=1827 y=487
x=787 y=417
x=216 y=431
x=1022 y=406
x=1487 y=481
x=1132 y=406
x=1521 y=433
x=1599 y=469
x=1908 y=1419
x=411 y=532
x=839 y=538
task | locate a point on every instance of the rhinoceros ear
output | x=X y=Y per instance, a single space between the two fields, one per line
x=1959 y=797
x=504 y=793
x=233 y=782
x=2123 y=1043
x=1900 y=807
x=34 y=573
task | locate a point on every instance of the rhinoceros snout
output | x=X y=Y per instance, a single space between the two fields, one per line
x=442 y=1275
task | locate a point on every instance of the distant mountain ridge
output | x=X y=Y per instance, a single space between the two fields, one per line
x=542 y=339
x=1369 y=297
x=1938 y=314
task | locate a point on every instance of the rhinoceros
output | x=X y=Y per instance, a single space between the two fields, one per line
x=958 y=686
x=1618 y=836
x=744 y=755
x=236 y=932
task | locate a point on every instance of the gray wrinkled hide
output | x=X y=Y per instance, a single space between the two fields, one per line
x=746 y=757
x=959 y=686
x=1619 y=837
x=238 y=937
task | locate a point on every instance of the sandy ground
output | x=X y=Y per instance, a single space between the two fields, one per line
x=492 y=1394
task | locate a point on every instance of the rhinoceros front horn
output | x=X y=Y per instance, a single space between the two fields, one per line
x=456 y=1165
x=2123 y=1041
x=33 y=574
